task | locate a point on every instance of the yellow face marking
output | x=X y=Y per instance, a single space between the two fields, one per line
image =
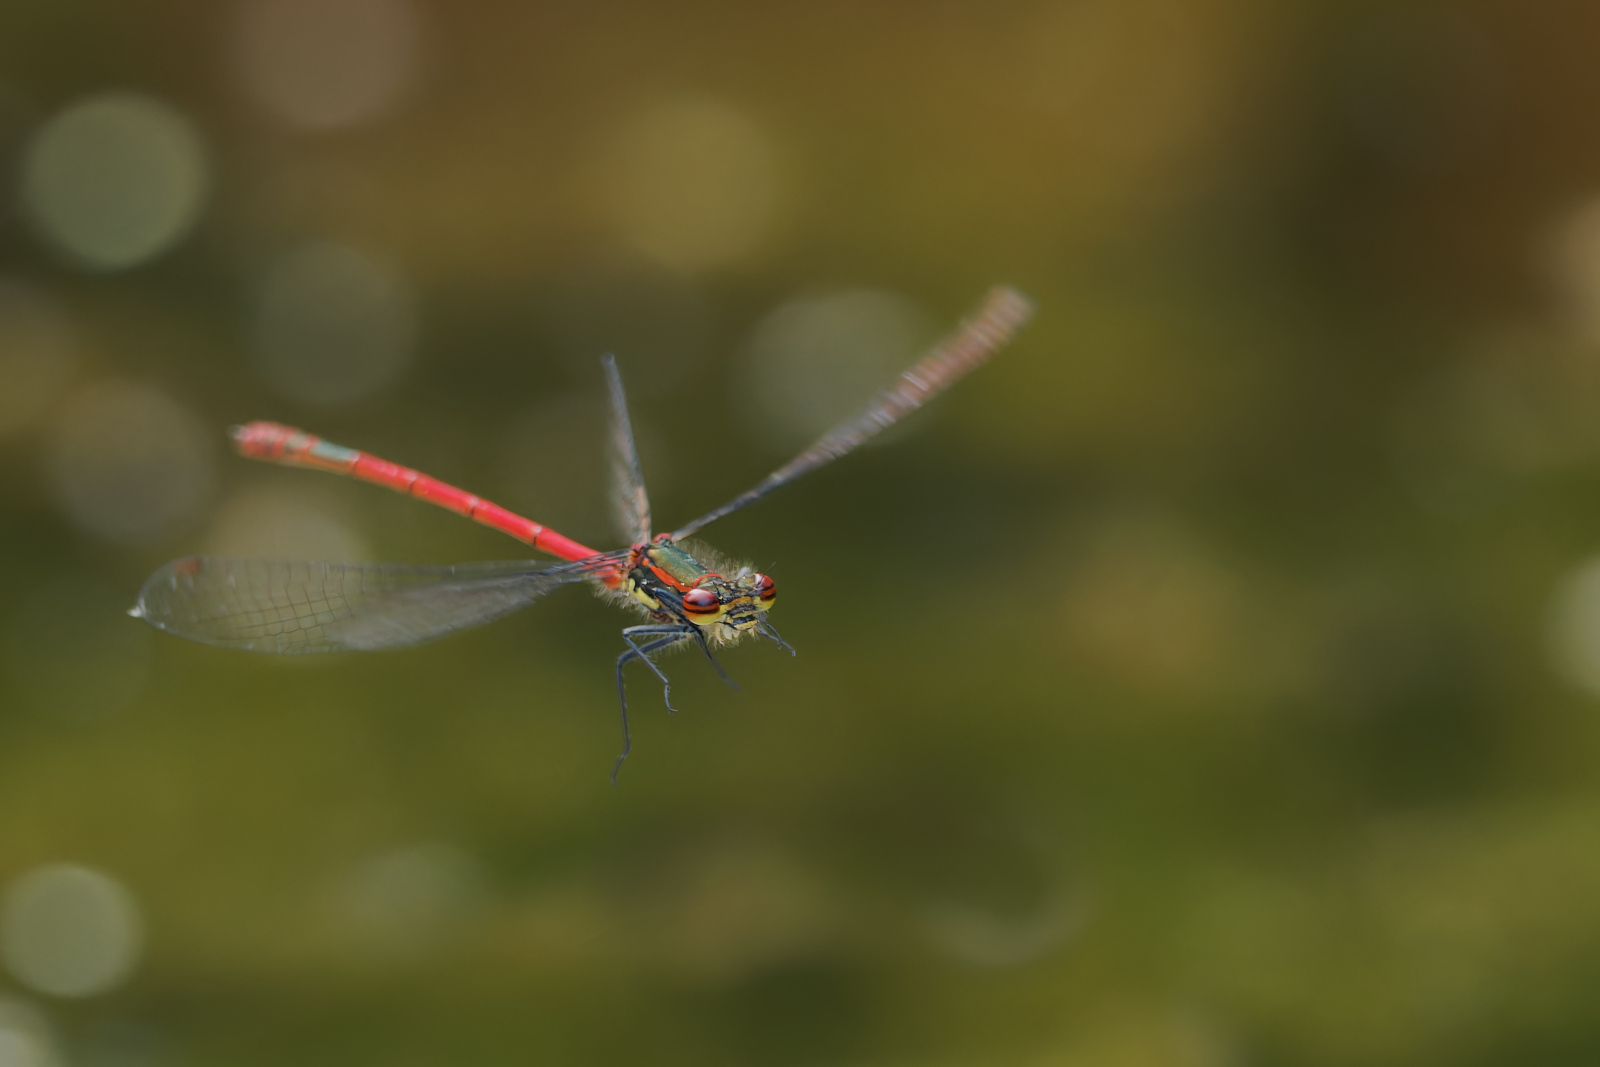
x=743 y=617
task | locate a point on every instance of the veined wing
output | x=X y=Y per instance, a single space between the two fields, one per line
x=1004 y=312
x=630 y=504
x=292 y=607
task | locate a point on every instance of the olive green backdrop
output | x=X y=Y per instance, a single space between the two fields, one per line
x=1201 y=683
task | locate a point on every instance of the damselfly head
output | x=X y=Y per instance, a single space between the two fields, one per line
x=737 y=602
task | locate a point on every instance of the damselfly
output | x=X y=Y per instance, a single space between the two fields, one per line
x=686 y=592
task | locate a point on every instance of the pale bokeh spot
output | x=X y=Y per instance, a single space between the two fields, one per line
x=128 y=463
x=279 y=524
x=1573 y=630
x=38 y=355
x=324 y=64
x=69 y=931
x=818 y=359
x=984 y=937
x=26 y=1039
x=333 y=325
x=409 y=896
x=1573 y=256
x=1151 y=605
x=115 y=180
x=695 y=182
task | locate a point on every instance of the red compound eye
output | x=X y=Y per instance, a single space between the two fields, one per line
x=701 y=602
x=766 y=589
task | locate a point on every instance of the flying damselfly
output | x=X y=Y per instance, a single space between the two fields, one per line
x=685 y=591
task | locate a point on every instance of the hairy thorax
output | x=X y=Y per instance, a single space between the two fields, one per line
x=675 y=582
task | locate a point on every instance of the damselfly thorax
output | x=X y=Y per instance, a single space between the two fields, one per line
x=674 y=586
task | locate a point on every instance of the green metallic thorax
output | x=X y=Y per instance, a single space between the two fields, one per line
x=667 y=580
x=661 y=567
x=671 y=561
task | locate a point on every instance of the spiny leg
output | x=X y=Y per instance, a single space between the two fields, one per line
x=674 y=635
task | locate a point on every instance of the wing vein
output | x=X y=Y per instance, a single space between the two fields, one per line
x=1004 y=312
x=303 y=607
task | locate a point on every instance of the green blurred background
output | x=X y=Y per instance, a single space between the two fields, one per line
x=1209 y=681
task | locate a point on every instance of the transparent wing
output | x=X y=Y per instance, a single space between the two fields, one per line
x=275 y=606
x=630 y=505
x=1004 y=312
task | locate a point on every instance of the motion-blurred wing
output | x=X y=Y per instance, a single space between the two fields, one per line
x=275 y=606
x=1004 y=312
x=630 y=505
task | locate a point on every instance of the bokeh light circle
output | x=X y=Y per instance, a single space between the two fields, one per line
x=322 y=64
x=1574 y=260
x=69 y=931
x=25 y=1036
x=115 y=180
x=407 y=896
x=128 y=463
x=695 y=182
x=1574 y=627
x=816 y=359
x=38 y=355
x=333 y=325
x=268 y=523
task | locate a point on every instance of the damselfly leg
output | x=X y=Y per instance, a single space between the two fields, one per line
x=672 y=635
x=665 y=636
x=706 y=648
x=766 y=629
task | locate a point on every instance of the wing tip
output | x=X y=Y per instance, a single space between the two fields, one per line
x=1010 y=306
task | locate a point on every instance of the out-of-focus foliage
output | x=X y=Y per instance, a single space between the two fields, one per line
x=1214 y=679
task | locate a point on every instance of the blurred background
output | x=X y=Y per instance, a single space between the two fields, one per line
x=1212 y=680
